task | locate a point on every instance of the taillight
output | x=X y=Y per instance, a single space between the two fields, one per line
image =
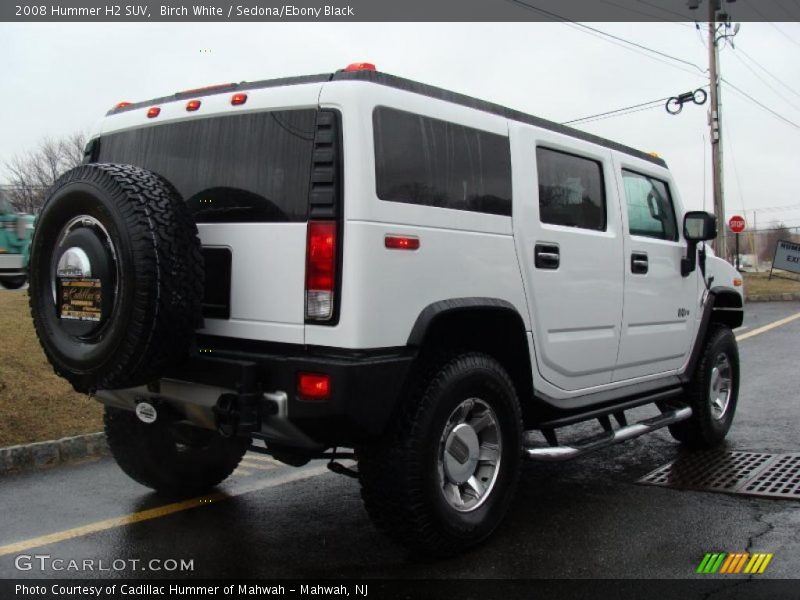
x=320 y=270
x=313 y=386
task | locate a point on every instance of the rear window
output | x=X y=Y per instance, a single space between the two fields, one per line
x=420 y=160
x=241 y=168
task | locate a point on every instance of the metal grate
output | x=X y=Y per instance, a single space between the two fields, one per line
x=750 y=473
x=780 y=479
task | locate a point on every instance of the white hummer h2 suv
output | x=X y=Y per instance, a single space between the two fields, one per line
x=355 y=260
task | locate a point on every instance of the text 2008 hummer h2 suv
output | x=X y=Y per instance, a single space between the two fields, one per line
x=357 y=260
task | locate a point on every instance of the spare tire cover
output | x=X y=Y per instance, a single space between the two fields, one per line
x=116 y=277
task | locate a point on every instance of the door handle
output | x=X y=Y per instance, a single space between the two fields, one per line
x=639 y=263
x=546 y=256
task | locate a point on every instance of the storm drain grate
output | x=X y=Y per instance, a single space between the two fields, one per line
x=750 y=473
x=780 y=478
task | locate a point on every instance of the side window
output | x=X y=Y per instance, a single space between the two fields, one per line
x=650 y=210
x=571 y=190
x=421 y=160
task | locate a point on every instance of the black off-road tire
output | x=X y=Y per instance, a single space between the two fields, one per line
x=144 y=243
x=702 y=429
x=174 y=460
x=399 y=477
x=13 y=283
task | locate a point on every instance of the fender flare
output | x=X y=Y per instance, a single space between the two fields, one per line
x=433 y=311
x=705 y=321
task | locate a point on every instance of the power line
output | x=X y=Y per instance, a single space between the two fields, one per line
x=563 y=19
x=763 y=68
x=766 y=83
x=666 y=10
x=754 y=6
x=613 y=112
x=785 y=10
x=618 y=112
x=644 y=13
x=756 y=102
x=630 y=112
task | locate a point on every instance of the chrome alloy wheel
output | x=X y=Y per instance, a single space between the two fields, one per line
x=720 y=386
x=469 y=455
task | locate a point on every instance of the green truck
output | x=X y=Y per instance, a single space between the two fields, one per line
x=16 y=230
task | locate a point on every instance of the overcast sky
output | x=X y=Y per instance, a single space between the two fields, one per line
x=59 y=78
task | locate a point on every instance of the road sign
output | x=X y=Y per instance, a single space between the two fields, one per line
x=737 y=224
x=787 y=257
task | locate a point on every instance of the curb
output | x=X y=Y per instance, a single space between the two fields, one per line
x=42 y=455
x=785 y=297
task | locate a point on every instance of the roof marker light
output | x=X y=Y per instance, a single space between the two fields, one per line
x=153 y=111
x=360 y=66
x=122 y=104
x=238 y=99
x=193 y=105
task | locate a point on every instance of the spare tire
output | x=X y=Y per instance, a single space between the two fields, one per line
x=116 y=277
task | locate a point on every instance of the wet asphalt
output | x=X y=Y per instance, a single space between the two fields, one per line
x=584 y=519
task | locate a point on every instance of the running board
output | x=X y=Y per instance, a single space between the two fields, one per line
x=607 y=438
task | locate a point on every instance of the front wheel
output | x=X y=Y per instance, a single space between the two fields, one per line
x=444 y=477
x=14 y=283
x=174 y=459
x=712 y=393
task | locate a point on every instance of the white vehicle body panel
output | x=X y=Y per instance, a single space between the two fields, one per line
x=655 y=338
x=575 y=309
x=462 y=254
x=591 y=324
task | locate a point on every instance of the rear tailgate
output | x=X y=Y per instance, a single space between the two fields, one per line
x=244 y=170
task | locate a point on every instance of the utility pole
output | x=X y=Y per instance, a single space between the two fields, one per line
x=714 y=121
x=717 y=20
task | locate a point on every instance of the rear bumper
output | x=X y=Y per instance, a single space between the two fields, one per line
x=365 y=388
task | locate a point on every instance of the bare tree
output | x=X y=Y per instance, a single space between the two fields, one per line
x=32 y=173
x=770 y=240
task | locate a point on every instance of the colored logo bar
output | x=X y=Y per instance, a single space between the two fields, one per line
x=734 y=562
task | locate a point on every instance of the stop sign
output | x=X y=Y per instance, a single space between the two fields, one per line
x=736 y=224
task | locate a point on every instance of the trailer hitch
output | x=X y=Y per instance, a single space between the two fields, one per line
x=238 y=413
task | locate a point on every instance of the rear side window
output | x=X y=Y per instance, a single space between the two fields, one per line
x=241 y=168
x=571 y=190
x=420 y=160
x=650 y=210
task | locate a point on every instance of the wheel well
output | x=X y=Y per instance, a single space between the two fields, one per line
x=727 y=308
x=497 y=331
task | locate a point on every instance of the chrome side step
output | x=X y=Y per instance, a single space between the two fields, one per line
x=605 y=439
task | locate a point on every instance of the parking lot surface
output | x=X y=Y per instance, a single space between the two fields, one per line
x=584 y=519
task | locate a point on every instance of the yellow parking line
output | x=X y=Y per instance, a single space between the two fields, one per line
x=156 y=513
x=256 y=466
x=262 y=458
x=767 y=327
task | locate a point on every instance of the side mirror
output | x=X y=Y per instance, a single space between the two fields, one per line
x=698 y=226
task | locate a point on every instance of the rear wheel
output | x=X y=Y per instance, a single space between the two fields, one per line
x=712 y=393
x=175 y=459
x=444 y=478
x=13 y=283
